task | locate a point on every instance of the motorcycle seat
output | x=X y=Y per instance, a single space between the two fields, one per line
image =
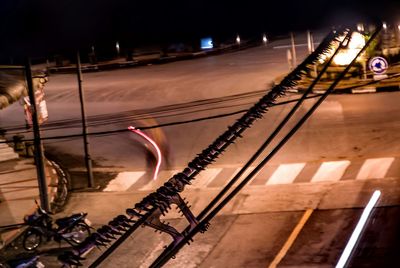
x=62 y=222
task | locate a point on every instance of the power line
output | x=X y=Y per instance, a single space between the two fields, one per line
x=116 y=131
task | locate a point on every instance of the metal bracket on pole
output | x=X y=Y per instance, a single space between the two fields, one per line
x=155 y=222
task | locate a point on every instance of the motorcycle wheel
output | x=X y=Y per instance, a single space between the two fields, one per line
x=81 y=231
x=32 y=239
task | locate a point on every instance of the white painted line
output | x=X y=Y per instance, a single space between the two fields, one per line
x=285 y=173
x=364 y=90
x=163 y=176
x=375 y=168
x=289 y=46
x=123 y=181
x=357 y=231
x=330 y=171
x=205 y=177
x=244 y=175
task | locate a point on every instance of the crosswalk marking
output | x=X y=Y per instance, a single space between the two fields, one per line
x=162 y=177
x=223 y=177
x=205 y=177
x=330 y=171
x=375 y=168
x=123 y=181
x=286 y=173
x=305 y=172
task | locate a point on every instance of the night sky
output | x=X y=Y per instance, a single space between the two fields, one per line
x=41 y=27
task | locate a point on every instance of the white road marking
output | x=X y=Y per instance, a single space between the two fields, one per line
x=285 y=173
x=331 y=171
x=357 y=231
x=205 y=177
x=244 y=175
x=162 y=177
x=375 y=168
x=123 y=181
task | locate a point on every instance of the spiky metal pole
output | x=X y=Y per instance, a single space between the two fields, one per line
x=149 y=210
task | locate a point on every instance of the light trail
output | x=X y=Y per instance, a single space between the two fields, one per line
x=357 y=231
x=154 y=144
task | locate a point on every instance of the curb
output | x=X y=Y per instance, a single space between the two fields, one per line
x=161 y=60
x=363 y=90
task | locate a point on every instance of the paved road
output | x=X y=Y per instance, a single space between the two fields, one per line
x=351 y=141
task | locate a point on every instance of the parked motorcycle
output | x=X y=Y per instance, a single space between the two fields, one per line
x=22 y=262
x=72 y=229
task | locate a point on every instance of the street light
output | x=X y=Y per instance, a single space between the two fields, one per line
x=238 y=39
x=384 y=25
x=117 y=47
x=264 y=39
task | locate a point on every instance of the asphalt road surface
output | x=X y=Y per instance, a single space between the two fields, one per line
x=347 y=149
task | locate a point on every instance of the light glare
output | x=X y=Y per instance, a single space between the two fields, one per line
x=345 y=57
x=357 y=231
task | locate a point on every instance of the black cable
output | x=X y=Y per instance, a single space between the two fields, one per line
x=111 y=132
x=161 y=198
x=173 y=248
x=272 y=136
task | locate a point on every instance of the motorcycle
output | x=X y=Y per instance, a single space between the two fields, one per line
x=22 y=262
x=73 y=229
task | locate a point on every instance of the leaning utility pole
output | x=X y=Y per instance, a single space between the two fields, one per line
x=294 y=58
x=39 y=155
x=88 y=160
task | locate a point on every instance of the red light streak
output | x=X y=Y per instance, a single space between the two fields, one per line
x=154 y=144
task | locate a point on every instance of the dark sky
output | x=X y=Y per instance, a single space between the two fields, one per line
x=37 y=27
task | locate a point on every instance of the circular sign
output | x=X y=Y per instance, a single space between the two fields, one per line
x=378 y=65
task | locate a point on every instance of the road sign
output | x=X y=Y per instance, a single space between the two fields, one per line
x=41 y=108
x=378 y=65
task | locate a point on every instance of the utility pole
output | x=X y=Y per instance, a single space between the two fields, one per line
x=310 y=40
x=309 y=44
x=39 y=156
x=293 y=51
x=88 y=160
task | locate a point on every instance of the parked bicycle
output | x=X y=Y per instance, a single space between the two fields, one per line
x=73 y=229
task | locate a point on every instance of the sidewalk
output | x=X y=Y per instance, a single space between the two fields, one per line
x=18 y=191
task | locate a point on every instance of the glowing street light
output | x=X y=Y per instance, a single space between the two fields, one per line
x=117 y=47
x=264 y=39
x=238 y=39
x=384 y=25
